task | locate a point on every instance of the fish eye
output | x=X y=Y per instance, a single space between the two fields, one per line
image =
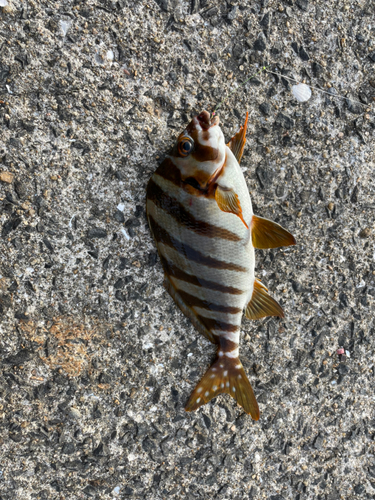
x=185 y=146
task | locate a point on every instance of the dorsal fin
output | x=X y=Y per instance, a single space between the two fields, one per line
x=228 y=201
x=238 y=141
x=261 y=304
x=267 y=234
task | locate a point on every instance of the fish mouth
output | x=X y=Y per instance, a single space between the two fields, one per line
x=206 y=121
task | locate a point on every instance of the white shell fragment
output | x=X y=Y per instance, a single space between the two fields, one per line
x=3 y=3
x=99 y=58
x=301 y=92
x=64 y=25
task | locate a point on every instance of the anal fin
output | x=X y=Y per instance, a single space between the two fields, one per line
x=238 y=141
x=225 y=375
x=267 y=234
x=261 y=304
x=228 y=201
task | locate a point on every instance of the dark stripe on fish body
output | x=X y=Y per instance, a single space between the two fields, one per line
x=168 y=171
x=192 y=301
x=176 y=210
x=227 y=345
x=205 y=153
x=162 y=236
x=213 y=324
x=181 y=275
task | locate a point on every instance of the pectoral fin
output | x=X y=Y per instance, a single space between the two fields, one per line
x=228 y=201
x=268 y=234
x=238 y=141
x=261 y=304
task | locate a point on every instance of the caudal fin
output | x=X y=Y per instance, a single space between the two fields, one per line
x=225 y=375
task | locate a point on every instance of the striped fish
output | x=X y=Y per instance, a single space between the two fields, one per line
x=200 y=214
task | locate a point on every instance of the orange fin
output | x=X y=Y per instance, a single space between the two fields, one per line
x=228 y=201
x=268 y=234
x=225 y=375
x=238 y=141
x=261 y=304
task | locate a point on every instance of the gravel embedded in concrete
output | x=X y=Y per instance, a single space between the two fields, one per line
x=97 y=362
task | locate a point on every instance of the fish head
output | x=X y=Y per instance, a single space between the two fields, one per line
x=200 y=150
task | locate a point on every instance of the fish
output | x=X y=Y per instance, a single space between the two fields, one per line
x=200 y=214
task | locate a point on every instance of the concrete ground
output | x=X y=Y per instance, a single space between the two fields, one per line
x=97 y=362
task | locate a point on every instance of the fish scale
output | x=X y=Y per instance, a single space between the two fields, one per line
x=200 y=214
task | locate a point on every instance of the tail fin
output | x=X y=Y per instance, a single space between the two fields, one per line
x=225 y=375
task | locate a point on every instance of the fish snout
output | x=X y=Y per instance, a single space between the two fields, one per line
x=205 y=120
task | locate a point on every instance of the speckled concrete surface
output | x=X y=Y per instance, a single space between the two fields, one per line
x=96 y=360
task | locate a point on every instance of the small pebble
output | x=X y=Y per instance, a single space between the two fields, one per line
x=119 y=216
x=116 y=491
x=133 y=392
x=365 y=233
x=74 y=413
x=6 y=177
x=97 y=232
x=265 y=108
